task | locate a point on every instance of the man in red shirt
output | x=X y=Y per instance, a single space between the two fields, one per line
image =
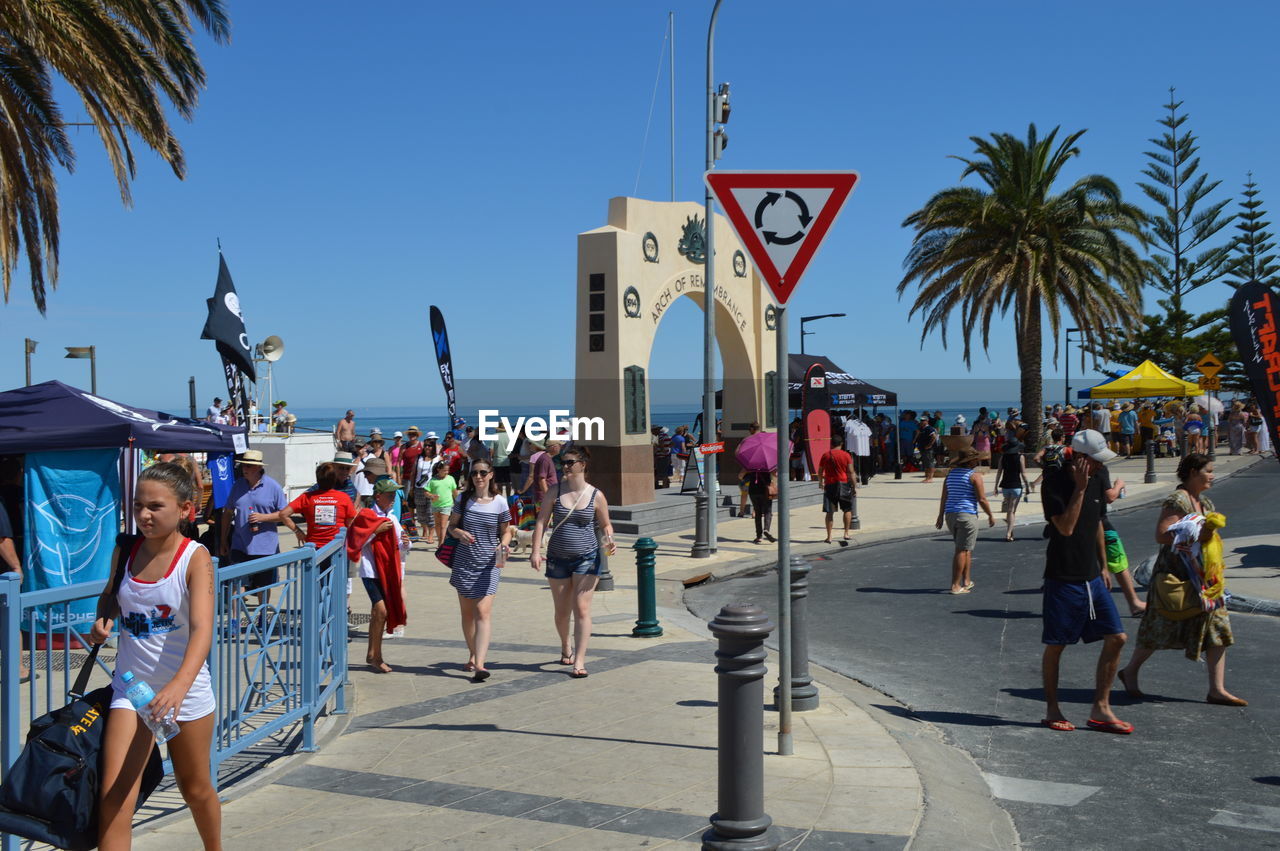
x=837 y=480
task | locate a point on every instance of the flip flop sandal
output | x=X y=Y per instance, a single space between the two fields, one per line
x=1123 y=728
x=579 y=674
x=1060 y=726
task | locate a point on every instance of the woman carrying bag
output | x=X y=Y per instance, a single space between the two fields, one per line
x=479 y=530
x=1186 y=607
x=570 y=516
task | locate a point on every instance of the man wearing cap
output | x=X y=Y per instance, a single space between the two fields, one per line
x=215 y=410
x=254 y=492
x=1077 y=599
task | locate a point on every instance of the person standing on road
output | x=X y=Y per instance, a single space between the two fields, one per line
x=571 y=516
x=839 y=484
x=479 y=525
x=1077 y=598
x=962 y=493
x=1010 y=482
x=1208 y=629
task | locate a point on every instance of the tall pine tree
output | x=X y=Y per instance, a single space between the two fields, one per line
x=1183 y=256
x=1251 y=257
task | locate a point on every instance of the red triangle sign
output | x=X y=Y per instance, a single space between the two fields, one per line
x=781 y=217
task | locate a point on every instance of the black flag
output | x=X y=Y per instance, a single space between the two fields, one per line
x=440 y=339
x=1253 y=314
x=225 y=324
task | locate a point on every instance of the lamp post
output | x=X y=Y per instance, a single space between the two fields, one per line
x=804 y=319
x=29 y=349
x=90 y=352
x=1066 y=380
x=717 y=113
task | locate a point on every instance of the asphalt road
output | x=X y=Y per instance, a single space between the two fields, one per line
x=1191 y=775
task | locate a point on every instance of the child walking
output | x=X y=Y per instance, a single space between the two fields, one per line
x=165 y=606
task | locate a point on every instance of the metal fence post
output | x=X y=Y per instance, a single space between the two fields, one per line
x=740 y=821
x=310 y=647
x=646 y=591
x=804 y=694
x=10 y=688
x=338 y=627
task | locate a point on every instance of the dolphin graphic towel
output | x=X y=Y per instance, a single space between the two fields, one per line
x=72 y=517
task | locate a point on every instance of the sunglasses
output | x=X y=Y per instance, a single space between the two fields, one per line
x=482 y=472
x=566 y=462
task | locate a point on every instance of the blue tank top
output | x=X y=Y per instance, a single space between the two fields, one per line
x=960 y=496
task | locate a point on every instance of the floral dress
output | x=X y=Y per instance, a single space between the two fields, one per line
x=1193 y=635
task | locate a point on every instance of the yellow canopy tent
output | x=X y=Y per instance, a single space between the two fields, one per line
x=1146 y=379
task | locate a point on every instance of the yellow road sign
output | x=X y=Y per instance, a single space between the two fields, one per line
x=1211 y=382
x=1209 y=365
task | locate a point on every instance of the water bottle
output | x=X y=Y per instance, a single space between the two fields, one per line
x=141 y=694
x=1123 y=492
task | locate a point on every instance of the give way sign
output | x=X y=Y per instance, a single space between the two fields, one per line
x=781 y=217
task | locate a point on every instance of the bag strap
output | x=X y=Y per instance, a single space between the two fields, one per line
x=577 y=505
x=124 y=543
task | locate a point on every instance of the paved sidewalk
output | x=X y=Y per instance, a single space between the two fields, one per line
x=623 y=759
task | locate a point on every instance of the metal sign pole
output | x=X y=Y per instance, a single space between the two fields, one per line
x=784 y=542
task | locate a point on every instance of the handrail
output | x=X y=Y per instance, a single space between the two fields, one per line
x=288 y=665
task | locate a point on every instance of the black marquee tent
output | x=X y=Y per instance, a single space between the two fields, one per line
x=846 y=391
x=53 y=415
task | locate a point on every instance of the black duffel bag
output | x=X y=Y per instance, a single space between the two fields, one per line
x=50 y=793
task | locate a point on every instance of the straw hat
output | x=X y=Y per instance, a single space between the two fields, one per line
x=1126 y=407
x=251 y=456
x=968 y=454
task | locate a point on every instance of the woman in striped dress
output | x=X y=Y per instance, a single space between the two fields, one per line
x=962 y=494
x=572 y=513
x=479 y=526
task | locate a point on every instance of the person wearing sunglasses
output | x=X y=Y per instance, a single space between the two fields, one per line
x=570 y=516
x=478 y=525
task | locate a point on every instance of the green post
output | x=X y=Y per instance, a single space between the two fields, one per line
x=646 y=589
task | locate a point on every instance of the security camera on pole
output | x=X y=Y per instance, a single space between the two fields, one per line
x=781 y=219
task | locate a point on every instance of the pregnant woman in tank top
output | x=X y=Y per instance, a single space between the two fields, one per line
x=571 y=515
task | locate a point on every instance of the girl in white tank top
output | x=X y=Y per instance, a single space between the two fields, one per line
x=165 y=609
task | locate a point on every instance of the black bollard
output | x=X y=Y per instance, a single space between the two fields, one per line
x=804 y=694
x=855 y=522
x=740 y=821
x=1150 y=475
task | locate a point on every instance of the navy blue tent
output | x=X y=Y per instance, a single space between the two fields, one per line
x=1085 y=393
x=54 y=415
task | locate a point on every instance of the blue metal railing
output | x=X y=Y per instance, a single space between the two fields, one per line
x=272 y=666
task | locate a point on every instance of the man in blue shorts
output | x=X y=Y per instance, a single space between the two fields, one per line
x=1077 y=592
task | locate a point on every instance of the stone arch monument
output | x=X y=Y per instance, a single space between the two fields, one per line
x=629 y=273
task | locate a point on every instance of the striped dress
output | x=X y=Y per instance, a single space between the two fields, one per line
x=474 y=572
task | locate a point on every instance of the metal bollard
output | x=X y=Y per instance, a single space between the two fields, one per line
x=740 y=821
x=605 y=581
x=804 y=694
x=646 y=589
x=1150 y=475
x=855 y=522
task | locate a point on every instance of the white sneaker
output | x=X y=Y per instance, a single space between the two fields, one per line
x=398 y=632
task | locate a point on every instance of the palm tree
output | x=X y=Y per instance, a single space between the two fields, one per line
x=127 y=60
x=1015 y=244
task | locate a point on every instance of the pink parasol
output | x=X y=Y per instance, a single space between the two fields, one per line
x=758 y=452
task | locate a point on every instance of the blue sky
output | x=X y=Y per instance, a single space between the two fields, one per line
x=357 y=166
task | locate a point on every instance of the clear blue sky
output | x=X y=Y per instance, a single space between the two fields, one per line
x=357 y=165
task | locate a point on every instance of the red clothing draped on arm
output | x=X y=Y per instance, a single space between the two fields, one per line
x=386 y=560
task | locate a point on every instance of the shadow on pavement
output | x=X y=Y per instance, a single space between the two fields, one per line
x=996 y=613
x=1085 y=696
x=969 y=719
x=1270 y=781
x=494 y=728
x=1259 y=555
x=870 y=590
x=696 y=703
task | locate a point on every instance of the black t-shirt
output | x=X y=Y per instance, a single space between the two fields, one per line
x=6 y=528
x=1072 y=558
x=927 y=435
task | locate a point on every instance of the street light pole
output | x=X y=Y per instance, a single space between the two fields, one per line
x=1066 y=355
x=707 y=494
x=90 y=352
x=804 y=319
x=29 y=349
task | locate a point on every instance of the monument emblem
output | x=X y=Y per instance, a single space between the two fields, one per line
x=631 y=303
x=739 y=264
x=650 y=247
x=693 y=240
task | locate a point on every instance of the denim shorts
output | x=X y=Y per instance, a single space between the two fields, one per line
x=564 y=568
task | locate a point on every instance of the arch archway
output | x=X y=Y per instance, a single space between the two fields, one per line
x=630 y=272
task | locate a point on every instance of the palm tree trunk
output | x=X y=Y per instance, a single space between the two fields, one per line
x=1030 y=367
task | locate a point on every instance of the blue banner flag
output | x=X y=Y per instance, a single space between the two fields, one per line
x=222 y=472
x=72 y=518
